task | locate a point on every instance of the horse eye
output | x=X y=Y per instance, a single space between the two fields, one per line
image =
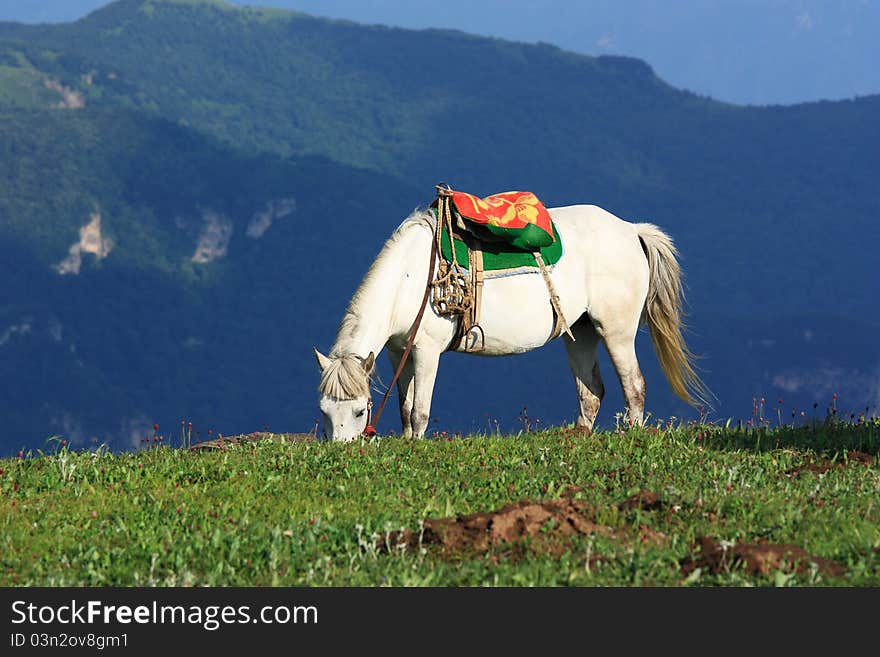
x=360 y=412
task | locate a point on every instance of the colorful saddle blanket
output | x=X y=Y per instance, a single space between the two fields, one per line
x=501 y=257
x=510 y=227
x=517 y=218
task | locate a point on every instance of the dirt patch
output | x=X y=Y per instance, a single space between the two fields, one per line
x=756 y=558
x=224 y=442
x=644 y=500
x=576 y=431
x=651 y=536
x=821 y=466
x=547 y=525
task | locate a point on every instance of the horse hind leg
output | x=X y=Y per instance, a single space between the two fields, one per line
x=622 y=349
x=585 y=368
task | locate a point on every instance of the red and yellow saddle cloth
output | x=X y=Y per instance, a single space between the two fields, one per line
x=517 y=218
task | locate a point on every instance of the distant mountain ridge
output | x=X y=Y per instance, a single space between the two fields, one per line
x=609 y=131
x=188 y=128
x=746 y=52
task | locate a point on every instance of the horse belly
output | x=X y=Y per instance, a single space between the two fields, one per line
x=515 y=316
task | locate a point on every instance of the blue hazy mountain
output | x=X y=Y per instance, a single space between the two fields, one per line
x=190 y=193
x=741 y=51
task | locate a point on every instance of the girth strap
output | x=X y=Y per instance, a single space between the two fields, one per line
x=559 y=323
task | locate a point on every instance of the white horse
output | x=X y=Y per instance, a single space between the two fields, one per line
x=613 y=276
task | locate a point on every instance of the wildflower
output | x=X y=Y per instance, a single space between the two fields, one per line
x=156 y=427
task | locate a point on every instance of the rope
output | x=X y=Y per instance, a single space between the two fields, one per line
x=451 y=292
x=559 y=323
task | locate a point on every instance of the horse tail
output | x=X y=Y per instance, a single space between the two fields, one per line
x=664 y=314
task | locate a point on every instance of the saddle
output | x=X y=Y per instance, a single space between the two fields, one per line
x=511 y=230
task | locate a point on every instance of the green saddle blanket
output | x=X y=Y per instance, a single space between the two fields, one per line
x=501 y=257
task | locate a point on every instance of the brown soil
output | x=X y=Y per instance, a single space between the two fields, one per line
x=578 y=431
x=756 y=558
x=224 y=442
x=547 y=525
x=645 y=500
x=652 y=536
x=822 y=466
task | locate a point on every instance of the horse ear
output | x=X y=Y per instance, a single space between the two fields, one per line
x=323 y=361
x=369 y=362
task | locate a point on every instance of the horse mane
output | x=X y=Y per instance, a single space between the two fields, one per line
x=344 y=377
x=353 y=312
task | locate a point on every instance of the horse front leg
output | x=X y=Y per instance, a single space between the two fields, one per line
x=425 y=364
x=404 y=390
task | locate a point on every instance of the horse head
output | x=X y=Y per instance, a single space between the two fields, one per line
x=345 y=394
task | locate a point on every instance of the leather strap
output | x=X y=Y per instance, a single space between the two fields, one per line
x=559 y=323
x=370 y=429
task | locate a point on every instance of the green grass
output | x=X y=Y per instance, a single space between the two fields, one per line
x=309 y=513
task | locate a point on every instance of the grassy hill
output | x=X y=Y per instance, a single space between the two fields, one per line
x=179 y=124
x=680 y=506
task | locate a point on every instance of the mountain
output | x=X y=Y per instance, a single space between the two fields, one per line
x=603 y=130
x=145 y=144
x=149 y=272
x=741 y=51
